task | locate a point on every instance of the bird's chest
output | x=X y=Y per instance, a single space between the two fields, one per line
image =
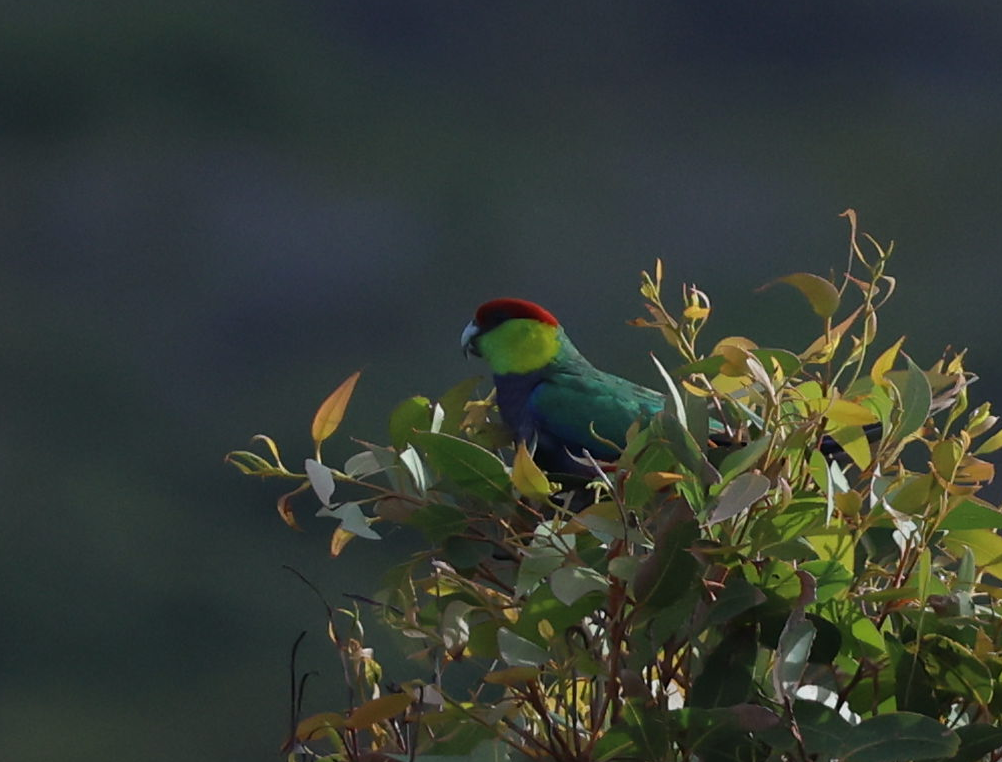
x=514 y=392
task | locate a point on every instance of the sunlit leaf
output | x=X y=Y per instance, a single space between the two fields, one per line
x=411 y=415
x=658 y=480
x=743 y=458
x=820 y=293
x=846 y=413
x=527 y=477
x=912 y=496
x=377 y=710
x=986 y=545
x=318 y=726
x=330 y=414
x=885 y=362
x=453 y=404
x=972 y=513
x=993 y=443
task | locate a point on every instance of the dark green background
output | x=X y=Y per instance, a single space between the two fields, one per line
x=211 y=213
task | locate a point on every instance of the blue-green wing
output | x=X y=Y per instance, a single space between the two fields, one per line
x=567 y=406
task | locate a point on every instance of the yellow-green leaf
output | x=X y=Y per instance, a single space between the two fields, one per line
x=993 y=443
x=331 y=412
x=318 y=725
x=694 y=312
x=912 y=496
x=658 y=480
x=853 y=440
x=984 y=543
x=821 y=293
x=527 y=477
x=885 y=362
x=271 y=446
x=846 y=413
x=378 y=710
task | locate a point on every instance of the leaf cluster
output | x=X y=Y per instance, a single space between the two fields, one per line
x=791 y=562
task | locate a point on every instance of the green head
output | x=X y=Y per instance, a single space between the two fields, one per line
x=513 y=335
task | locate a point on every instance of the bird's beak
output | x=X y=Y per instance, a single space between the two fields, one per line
x=468 y=339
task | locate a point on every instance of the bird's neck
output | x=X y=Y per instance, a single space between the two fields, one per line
x=522 y=346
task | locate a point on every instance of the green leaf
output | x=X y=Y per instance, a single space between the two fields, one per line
x=788 y=362
x=453 y=402
x=737 y=597
x=686 y=449
x=986 y=545
x=915 y=396
x=615 y=743
x=411 y=415
x=820 y=292
x=537 y=562
x=912 y=497
x=669 y=571
x=543 y=604
x=954 y=668
x=822 y=729
x=852 y=439
x=972 y=513
x=519 y=652
x=647 y=728
x=470 y=467
x=739 y=496
x=832 y=577
x=377 y=710
x=976 y=743
x=569 y=583
x=724 y=735
x=438 y=522
x=898 y=737
x=726 y=678
x=913 y=688
x=743 y=458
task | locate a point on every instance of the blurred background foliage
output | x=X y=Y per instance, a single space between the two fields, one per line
x=212 y=213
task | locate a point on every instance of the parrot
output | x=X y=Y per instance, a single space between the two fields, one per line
x=548 y=394
x=555 y=401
